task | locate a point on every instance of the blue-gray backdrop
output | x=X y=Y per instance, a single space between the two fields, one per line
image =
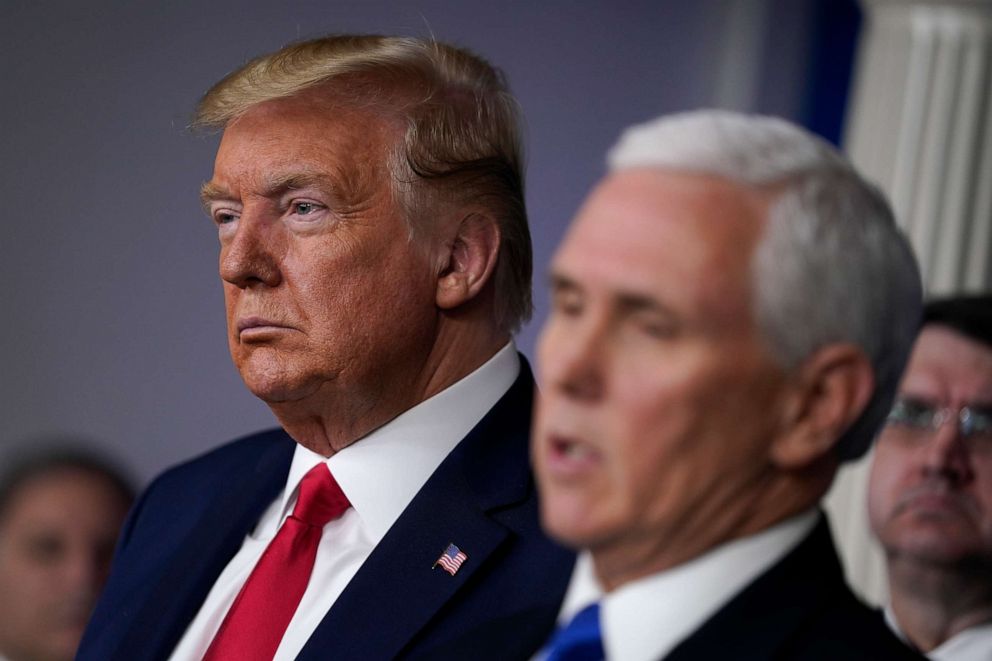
x=112 y=323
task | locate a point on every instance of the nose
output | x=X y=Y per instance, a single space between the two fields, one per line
x=83 y=572
x=248 y=254
x=947 y=455
x=572 y=357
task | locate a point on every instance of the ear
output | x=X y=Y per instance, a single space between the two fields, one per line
x=470 y=260
x=831 y=390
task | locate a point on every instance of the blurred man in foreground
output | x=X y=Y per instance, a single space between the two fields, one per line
x=930 y=491
x=732 y=309
x=368 y=198
x=60 y=514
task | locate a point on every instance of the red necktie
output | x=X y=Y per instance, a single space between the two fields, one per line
x=262 y=610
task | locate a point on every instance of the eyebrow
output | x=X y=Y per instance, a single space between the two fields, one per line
x=558 y=282
x=632 y=303
x=626 y=302
x=211 y=192
x=277 y=185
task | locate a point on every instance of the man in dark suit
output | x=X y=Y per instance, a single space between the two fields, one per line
x=376 y=260
x=930 y=490
x=732 y=308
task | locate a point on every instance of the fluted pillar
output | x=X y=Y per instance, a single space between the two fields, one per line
x=920 y=126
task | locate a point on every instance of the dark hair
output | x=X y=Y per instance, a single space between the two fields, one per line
x=970 y=315
x=26 y=467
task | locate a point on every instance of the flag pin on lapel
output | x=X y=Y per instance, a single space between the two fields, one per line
x=451 y=559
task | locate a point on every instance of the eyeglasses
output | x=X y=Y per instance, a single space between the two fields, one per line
x=921 y=417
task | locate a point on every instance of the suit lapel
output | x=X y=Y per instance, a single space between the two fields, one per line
x=758 y=622
x=398 y=590
x=199 y=559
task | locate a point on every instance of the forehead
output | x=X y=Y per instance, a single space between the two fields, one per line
x=309 y=131
x=63 y=492
x=947 y=360
x=667 y=233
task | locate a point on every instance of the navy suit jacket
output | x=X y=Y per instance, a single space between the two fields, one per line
x=192 y=520
x=802 y=609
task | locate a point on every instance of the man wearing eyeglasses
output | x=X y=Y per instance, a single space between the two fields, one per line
x=930 y=494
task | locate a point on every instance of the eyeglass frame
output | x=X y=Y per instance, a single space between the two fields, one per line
x=973 y=423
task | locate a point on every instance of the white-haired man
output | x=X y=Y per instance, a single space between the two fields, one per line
x=732 y=308
x=930 y=490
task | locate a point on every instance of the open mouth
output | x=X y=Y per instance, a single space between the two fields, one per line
x=571 y=457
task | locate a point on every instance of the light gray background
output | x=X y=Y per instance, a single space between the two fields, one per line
x=113 y=324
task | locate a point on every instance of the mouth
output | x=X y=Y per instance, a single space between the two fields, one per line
x=259 y=327
x=569 y=457
x=930 y=502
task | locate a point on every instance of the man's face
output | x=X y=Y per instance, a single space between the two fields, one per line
x=326 y=295
x=658 y=396
x=930 y=493
x=57 y=536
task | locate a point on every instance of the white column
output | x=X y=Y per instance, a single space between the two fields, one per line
x=920 y=126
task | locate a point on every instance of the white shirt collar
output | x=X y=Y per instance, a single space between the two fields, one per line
x=683 y=597
x=382 y=472
x=973 y=644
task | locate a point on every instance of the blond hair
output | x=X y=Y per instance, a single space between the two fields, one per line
x=462 y=139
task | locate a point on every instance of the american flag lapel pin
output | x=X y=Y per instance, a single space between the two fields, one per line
x=451 y=559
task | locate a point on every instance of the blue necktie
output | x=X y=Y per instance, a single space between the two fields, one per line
x=581 y=640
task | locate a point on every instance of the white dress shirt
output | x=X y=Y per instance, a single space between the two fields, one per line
x=645 y=619
x=380 y=474
x=974 y=644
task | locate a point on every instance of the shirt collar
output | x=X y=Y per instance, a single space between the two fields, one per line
x=683 y=597
x=972 y=644
x=382 y=472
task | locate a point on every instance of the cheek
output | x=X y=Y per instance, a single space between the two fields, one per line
x=651 y=417
x=648 y=438
x=983 y=492
x=230 y=300
x=24 y=580
x=885 y=480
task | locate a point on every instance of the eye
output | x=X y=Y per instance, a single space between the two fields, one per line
x=46 y=549
x=223 y=216
x=655 y=326
x=567 y=302
x=914 y=413
x=982 y=420
x=304 y=208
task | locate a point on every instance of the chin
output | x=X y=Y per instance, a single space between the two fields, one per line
x=936 y=546
x=278 y=389
x=568 y=521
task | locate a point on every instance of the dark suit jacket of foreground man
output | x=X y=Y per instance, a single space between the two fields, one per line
x=482 y=495
x=731 y=310
x=801 y=608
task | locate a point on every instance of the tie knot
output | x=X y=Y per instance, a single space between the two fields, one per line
x=321 y=499
x=580 y=640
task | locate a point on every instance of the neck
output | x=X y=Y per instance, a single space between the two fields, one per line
x=768 y=500
x=933 y=602
x=328 y=420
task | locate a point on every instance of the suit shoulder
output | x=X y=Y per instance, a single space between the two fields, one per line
x=848 y=629
x=182 y=491
x=241 y=454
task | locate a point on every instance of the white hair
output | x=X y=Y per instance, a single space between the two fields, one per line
x=832 y=266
